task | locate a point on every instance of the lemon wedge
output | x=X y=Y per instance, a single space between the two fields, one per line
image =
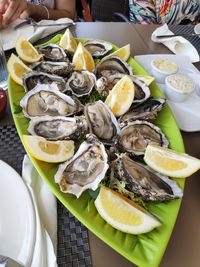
x=169 y=162
x=121 y=97
x=68 y=41
x=82 y=59
x=48 y=151
x=26 y=51
x=124 y=214
x=123 y=52
x=16 y=69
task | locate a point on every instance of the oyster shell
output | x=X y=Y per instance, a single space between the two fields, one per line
x=135 y=136
x=102 y=122
x=98 y=48
x=33 y=78
x=53 y=52
x=48 y=100
x=57 y=68
x=112 y=65
x=147 y=110
x=143 y=181
x=81 y=83
x=85 y=170
x=142 y=92
x=58 y=128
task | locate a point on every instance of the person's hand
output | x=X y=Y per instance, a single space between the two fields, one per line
x=3 y=6
x=14 y=10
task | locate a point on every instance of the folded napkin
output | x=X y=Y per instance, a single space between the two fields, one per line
x=178 y=45
x=9 y=35
x=44 y=254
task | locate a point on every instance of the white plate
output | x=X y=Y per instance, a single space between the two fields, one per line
x=17 y=217
x=186 y=113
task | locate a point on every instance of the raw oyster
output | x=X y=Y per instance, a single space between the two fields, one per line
x=33 y=78
x=142 y=92
x=102 y=122
x=135 y=136
x=85 y=170
x=81 y=83
x=47 y=100
x=58 y=128
x=143 y=181
x=112 y=65
x=147 y=110
x=53 y=52
x=57 y=68
x=98 y=48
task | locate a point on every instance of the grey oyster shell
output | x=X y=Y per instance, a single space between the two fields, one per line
x=102 y=122
x=112 y=65
x=53 y=52
x=142 y=92
x=47 y=100
x=58 y=68
x=85 y=170
x=98 y=48
x=33 y=78
x=135 y=136
x=81 y=83
x=147 y=110
x=143 y=181
x=58 y=128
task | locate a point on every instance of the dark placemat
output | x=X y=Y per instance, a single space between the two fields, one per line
x=73 y=244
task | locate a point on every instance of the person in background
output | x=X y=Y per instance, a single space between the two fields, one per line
x=164 y=11
x=10 y=10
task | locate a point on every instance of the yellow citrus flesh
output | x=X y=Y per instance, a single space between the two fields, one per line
x=123 y=52
x=169 y=162
x=48 y=151
x=121 y=96
x=146 y=79
x=26 y=51
x=16 y=68
x=82 y=59
x=124 y=214
x=68 y=42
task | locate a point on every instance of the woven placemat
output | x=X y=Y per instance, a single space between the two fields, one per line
x=73 y=244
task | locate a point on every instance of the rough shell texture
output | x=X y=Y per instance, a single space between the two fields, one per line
x=98 y=48
x=53 y=52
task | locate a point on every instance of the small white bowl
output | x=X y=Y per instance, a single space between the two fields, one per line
x=161 y=68
x=197 y=28
x=178 y=87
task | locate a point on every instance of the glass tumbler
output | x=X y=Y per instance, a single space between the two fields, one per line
x=3 y=68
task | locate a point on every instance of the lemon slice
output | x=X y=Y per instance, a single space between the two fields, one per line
x=48 y=151
x=124 y=214
x=68 y=42
x=16 y=68
x=121 y=97
x=82 y=59
x=146 y=79
x=169 y=162
x=26 y=51
x=123 y=52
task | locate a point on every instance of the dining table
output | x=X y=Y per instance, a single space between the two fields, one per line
x=183 y=247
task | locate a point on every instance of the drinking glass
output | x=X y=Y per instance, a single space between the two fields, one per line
x=3 y=68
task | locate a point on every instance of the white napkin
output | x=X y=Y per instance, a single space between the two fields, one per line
x=9 y=35
x=178 y=45
x=44 y=254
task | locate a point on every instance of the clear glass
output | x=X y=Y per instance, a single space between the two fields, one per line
x=3 y=68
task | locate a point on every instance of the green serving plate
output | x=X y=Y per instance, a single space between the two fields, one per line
x=145 y=250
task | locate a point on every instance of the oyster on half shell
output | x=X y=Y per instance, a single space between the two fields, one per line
x=98 y=48
x=53 y=52
x=143 y=181
x=58 y=127
x=47 y=100
x=85 y=170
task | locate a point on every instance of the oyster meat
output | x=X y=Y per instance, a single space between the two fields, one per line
x=98 y=48
x=53 y=52
x=58 y=128
x=33 y=78
x=143 y=181
x=85 y=170
x=102 y=122
x=147 y=110
x=58 y=68
x=47 y=100
x=135 y=136
x=142 y=92
x=81 y=83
